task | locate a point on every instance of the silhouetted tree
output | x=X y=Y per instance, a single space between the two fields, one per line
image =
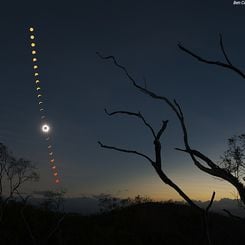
x=233 y=159
x=14 y=172
x=157 y=162
x=231 y=168
x=157 y=134
x=107 y=202
x=52 y=200
x=232 y=164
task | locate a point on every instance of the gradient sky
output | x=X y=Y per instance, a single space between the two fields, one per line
x=78 y=86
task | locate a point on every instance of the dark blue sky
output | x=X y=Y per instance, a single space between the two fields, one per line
x=78 y=86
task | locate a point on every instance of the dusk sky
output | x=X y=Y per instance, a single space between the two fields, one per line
x=78 y=85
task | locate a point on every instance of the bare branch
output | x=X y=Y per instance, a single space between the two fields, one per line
x=215 y=170
x=212 y=62
x=206 y=219
x=223 y=49
x=211 y=202
x=173 y=105
x=126 y=151
x=198 y=154
x=142 y=89
x=232 y=215
x=162 y=129
x=177 y=110
x=118 y=65
x=199 y=58
x=139 y=115
x=197 y=163
x=160 y=173
x=169 y=182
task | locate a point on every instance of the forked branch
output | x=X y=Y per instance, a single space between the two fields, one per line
x=227 y=64
x=139 y=115
x=162 y=129
x=133 y=81
x=210 y=168
x=157 y=146
x=173 y=105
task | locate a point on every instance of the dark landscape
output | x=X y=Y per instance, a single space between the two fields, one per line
x=145 y=223
x=122 y=122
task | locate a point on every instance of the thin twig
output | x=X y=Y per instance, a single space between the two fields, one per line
x=130 y=77
x=223 y=49
x=139 y=115
x=126 y=151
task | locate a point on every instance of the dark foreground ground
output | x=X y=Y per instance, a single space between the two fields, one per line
x=148 y=223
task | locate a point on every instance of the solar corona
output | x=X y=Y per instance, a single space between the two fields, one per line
x=45 y=127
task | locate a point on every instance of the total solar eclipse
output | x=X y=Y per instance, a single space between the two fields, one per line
x=45 y=128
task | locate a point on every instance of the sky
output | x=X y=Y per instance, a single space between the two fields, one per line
x=78 y=85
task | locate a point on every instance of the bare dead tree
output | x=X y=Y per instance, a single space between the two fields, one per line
x=232 y=166
x=157 y=165
x=199 y=159
x=157 y=162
